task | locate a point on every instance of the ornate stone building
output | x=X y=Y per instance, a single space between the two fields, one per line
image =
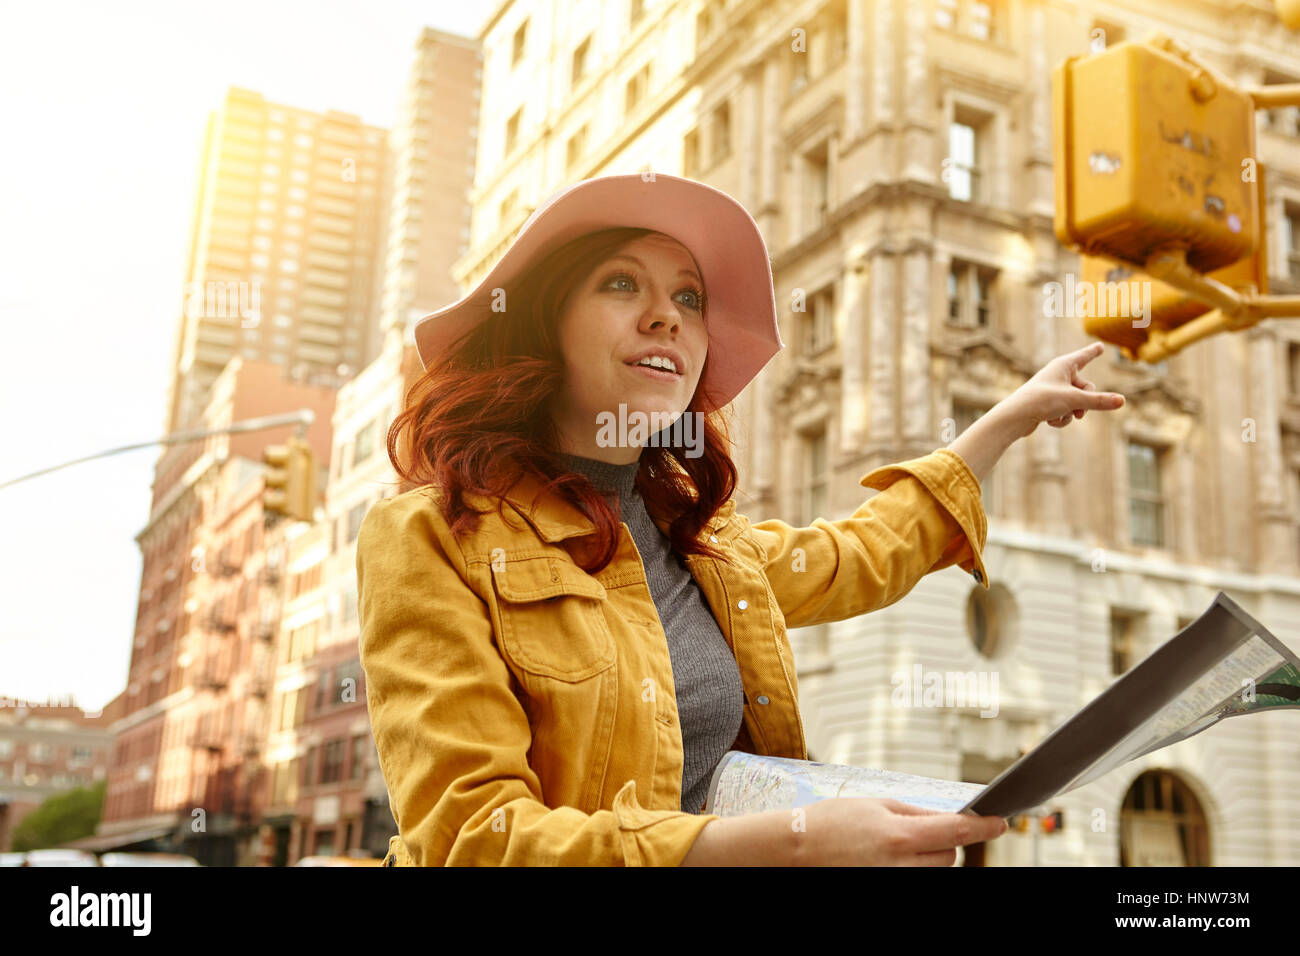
x=898 y=159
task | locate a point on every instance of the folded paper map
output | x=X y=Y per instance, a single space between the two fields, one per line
x=1223 y=664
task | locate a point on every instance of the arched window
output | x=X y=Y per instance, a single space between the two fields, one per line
x=1162 y=823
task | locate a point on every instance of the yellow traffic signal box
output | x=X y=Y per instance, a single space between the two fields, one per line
x=1169 y=307
x=290 y=481
x=275 y=488
x=1151 y=151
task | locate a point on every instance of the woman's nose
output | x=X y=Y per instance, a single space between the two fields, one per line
x=661 y=316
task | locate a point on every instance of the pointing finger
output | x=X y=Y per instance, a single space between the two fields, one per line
x=1109 y=400
x=1085 y=355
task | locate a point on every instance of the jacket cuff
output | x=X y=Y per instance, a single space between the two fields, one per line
x=655 y=837
x=946 y=475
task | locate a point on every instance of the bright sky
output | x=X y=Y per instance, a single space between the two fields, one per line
x=102 y=107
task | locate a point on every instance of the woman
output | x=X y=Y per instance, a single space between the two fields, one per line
x=567 y=624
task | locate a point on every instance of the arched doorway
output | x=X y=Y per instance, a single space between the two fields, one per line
x=1162 y=823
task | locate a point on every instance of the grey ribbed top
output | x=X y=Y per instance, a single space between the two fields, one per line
x=706 y=678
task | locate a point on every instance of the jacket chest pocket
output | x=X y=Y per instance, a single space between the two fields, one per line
x=552 y=618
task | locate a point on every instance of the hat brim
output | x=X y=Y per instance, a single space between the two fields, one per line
x=717 y=230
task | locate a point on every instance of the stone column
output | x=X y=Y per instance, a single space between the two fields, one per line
x=855 y=93
x=760 y=434
x=853 y=372
x=1038 y=164
x=751 y=138
x=919 y=426
x=881 y=163
x=1274 y=541
x=882 y=62
x=1047 y=474
x=770 y=186
x=883 y=338
x=918 y=142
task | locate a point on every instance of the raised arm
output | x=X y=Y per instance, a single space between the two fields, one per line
x=452 y=737
x=927 y=515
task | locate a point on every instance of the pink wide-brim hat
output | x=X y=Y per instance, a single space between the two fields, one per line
x=718 y=232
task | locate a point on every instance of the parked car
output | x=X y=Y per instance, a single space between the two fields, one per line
x=339 y=861
x=12 y=859
x=60 y=857
x=147 y=859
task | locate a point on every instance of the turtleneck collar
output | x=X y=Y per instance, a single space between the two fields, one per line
x=618 y=480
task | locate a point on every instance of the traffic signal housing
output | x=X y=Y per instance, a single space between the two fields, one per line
x=1149 y=150
x=1169 y=307
x=290 y=481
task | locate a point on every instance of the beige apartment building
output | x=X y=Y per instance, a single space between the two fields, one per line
x=287 y=238
x=897 y=157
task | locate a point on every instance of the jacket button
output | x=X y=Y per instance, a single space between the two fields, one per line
x=762 y=699
x=742 y=604
x=978 y=577
x=713 y=539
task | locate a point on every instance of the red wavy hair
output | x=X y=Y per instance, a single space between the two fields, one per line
x=477 y=420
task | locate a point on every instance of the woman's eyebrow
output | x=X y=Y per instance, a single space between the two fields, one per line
x=688 y=272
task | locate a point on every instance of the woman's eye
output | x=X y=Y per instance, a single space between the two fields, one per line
x=695 y=299
x=621 y=277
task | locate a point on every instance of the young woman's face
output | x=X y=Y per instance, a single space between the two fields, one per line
x=643 y=303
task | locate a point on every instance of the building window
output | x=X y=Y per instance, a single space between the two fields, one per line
x=508 y=207
x=348 y=671
x=324 y=687
x=365 y=444
x=1290 y=224
x=575 y=148
x=721 y=132
x=990 y=620
x=636 y=10
x=817 y=325
x=1124 y=630
x=358 y=758
x=512 y=130
x=309 y=769
x=519 y=44
x=816 y=186
x=816 y=476
x=975 y=18
x=1283 y=120
x=1162 y=823
x=799 y=71
x=968 y=135
x=281 y=791
x=331 y=767
x=355 y=517
x=707 y=24
x=1146 y=506
x=971 y=290
x=1293 y=368
x=580 y=61
x=637 y=87
x=691 y=154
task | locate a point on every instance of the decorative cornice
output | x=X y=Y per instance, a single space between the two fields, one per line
x=976 y=349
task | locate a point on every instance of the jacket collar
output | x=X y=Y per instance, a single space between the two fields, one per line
x=555 y=519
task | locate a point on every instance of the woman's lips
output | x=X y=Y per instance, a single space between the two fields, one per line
x=657 y=374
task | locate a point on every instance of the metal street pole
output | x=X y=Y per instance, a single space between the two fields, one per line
x=302 y=418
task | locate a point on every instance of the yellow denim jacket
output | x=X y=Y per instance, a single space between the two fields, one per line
x=523 y=710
